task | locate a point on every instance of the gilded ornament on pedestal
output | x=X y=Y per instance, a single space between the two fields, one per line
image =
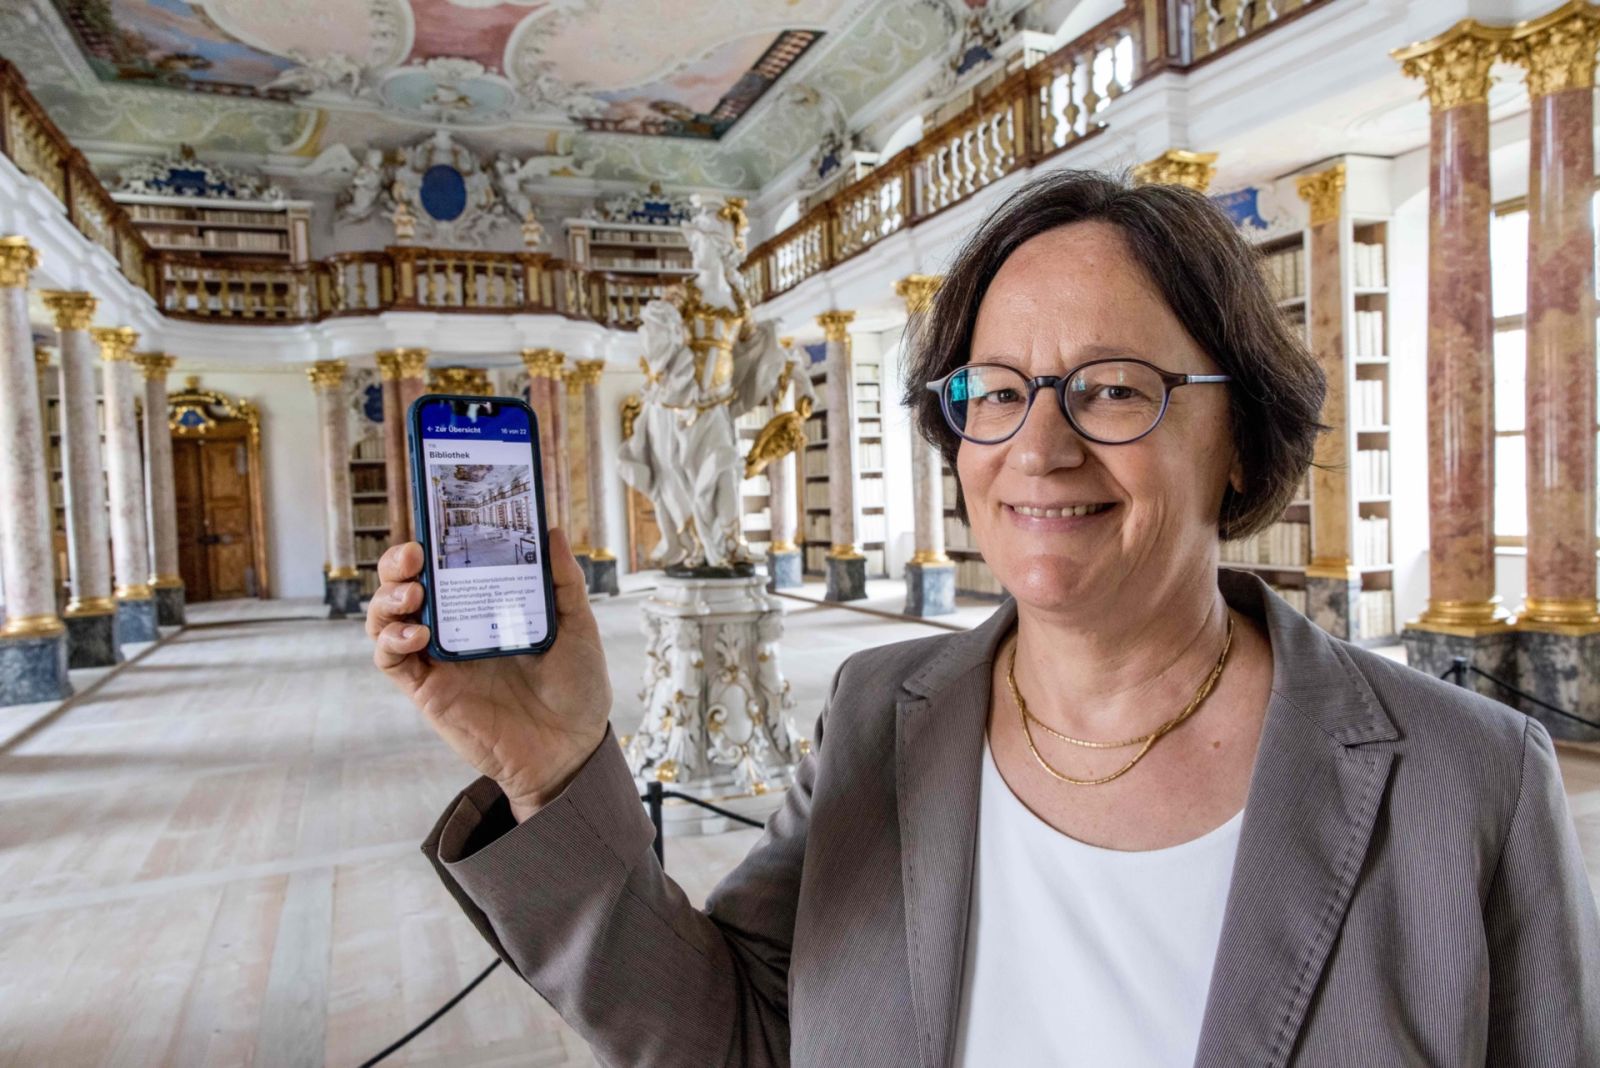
x=1178 y=166
x=632 y=405
x=1324 y=191
x=1455 y=64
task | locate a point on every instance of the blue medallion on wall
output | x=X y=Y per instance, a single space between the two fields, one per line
x=372 y=403
x=1243 y=207
x=191 y=418
x=444 y=192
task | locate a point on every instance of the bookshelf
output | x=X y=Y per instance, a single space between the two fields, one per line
x=973 y=577
x=278 y=231
x=369 y=501
x=58 y=478
x=872 y=521
x=1367 y=367
x=628 y=248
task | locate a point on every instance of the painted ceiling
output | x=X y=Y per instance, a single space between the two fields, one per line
x=705 y=93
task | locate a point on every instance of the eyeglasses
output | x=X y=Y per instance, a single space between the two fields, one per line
x=1111 y=402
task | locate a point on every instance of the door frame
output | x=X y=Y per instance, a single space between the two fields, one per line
x=193 y=412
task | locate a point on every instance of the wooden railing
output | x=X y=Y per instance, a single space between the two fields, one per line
x=1028 y=117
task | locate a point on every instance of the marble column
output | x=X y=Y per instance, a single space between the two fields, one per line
x=161 y=501
x=930 y=574
x=1333 y=585
x=130 y=539
x=602 y=561
x=1558 y=656
x=396 y=472
x=1463 y=617
x=544 y=374
x=558 y=431
x=847 y=567
x=344 y=580
x=785 y=564
x=41 y=365
x=91 y=610
x=33 y=640
x=411 y=366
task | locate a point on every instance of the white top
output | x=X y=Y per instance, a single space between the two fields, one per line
x=1078 y=955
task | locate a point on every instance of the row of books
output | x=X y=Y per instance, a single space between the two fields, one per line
x=1369 y=334
x=1367 y=259
x=628 y=263
x=371 y=514
x=1285 y=544
x=756 y=487
x=974 y=576
x=1375 y=614
x=1369 y=475
x=869 y=494
x=371 y=447
x=1296 y=597
x=638 y=237
x=368 y=478
x=957 y=535
x=1372 y=541
x=369 y=547
x=369 y=581
x=1285 y=272
x=755 y=418
x=52 y=418
x=1366 y=403
x=226 y=240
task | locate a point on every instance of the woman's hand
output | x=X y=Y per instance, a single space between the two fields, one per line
x=527 y=722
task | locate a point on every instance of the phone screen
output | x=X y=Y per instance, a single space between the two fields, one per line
x=477 y=467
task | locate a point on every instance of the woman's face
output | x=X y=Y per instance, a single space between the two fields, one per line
x=1068 y=296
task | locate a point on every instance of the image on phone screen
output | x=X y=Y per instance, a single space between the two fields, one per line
x=486 y=552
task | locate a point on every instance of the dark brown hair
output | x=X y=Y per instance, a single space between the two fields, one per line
x=1211 y=279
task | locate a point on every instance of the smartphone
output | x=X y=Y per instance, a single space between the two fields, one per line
x=477 y=482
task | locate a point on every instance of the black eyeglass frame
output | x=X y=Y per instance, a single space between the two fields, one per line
x=1170 y=381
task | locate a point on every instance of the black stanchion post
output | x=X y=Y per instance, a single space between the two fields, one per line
x=653 y=796
x=1458 y=670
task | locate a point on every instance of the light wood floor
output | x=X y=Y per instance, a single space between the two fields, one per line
x=212 y=859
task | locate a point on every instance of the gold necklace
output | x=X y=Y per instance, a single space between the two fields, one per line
x=1145 y=742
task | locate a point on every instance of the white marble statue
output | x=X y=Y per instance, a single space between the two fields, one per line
x=713 y=247
x=366 y=186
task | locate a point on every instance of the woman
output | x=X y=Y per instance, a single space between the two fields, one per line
x=1145 y=815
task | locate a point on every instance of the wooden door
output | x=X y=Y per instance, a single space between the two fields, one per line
x=216 y=545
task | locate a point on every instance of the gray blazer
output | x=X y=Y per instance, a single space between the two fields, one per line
x=1408 y=888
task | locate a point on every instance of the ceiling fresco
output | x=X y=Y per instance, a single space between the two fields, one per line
x=698 y=93
x=462 y=62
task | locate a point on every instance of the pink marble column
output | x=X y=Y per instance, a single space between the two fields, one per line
x=558 y=431
x=130 y=532
x=396 y=471
x=344 y=578
x=1559 y=54
x=412 y=367
x=847 y=567
x=544 y=396
x=1455 y=66
x=161 y=502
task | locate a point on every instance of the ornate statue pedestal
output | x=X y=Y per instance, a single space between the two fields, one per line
x=716 y=705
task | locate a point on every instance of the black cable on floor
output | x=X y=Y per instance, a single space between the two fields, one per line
x=429 y=1022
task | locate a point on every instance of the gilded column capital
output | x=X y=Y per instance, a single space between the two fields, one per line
x=1557 y=48
x=17 y=258
x=589 y=372
x=155 y=365
x=543 y=363
x=573 y=381
x=326 y=375
x=116 y=342
x=835 y=324
x=461 y=381
x=1455 y=64
x=917 y=291
x=1178 y=166
x=413 y=363
x=388 y=364
x=73 y=309
x=1324 y=191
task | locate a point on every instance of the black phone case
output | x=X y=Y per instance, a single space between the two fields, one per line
x=424 y=530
